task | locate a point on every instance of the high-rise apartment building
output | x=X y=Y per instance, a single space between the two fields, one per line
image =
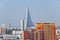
x=49 y=30
x=33 y=35
x=3 y=30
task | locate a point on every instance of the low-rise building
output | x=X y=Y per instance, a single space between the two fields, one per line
x=9 y=37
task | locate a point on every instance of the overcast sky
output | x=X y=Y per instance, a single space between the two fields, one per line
x=40 y=10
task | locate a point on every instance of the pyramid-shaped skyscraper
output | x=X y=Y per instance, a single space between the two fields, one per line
x=28 y=20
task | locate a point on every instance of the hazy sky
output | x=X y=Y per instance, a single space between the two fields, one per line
x=40 y=10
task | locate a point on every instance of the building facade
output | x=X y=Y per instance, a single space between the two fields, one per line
x=3 y=30
x=33 y=35
x=49 y=30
